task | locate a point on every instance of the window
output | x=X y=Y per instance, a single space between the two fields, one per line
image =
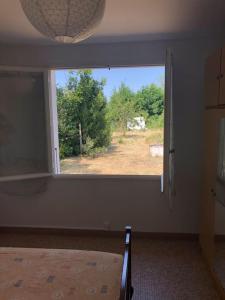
x=96 y=121
x=109 y=121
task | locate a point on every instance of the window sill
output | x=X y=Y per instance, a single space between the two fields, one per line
x=24 y=177
x=105 y=177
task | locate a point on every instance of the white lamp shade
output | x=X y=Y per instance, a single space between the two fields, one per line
x=68 y=21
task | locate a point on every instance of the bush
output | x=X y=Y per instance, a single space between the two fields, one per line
x=97 y=151
x=65 y=150
x=156 y=121
x=90 y=149
x=88 y=146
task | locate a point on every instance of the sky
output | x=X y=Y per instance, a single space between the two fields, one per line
x=134 y=77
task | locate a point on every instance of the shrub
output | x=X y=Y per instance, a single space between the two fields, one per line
x=156 y=121
x=88 y=146
x=65 y=150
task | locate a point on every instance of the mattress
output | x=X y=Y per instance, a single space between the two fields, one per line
x=50 y=274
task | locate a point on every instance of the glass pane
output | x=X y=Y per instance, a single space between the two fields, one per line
x=23 y=145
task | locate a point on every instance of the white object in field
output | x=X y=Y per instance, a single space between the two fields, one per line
x=137 y=124
x=156 y=150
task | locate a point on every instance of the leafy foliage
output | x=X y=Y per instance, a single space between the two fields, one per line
x=156 y=121
x=125 y=105
x=82 y=104
x=121 y=108
x=86 y=119
x=150 y=100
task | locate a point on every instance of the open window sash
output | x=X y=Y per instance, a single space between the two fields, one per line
x=169 y=152
x=25 y=134
x=53 y=121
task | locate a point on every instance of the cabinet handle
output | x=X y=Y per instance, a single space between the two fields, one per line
x=218 y=77
x=213 y=192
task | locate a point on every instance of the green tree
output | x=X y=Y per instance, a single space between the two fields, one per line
x=121 y=108
x=150 y=99
x=83 y=126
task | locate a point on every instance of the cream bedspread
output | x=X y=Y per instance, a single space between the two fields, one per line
x=49 y=274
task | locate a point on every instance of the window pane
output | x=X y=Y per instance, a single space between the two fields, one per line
x=23 y=146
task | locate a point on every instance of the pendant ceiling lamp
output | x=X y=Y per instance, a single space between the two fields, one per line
x=68 y=21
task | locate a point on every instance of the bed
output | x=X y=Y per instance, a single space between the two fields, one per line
x=62 y=274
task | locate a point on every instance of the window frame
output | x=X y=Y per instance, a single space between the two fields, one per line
x=168 y=182
x=159 y=178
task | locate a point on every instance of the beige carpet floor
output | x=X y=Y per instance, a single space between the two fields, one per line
x=162 y=270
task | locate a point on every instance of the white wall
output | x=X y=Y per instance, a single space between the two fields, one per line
x=88 y=203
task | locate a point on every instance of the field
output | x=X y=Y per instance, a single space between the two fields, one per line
x=127 y=155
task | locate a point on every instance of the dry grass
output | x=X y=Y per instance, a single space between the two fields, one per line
x=127 y=155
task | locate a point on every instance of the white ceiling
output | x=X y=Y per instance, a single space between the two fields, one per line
x=128 y=20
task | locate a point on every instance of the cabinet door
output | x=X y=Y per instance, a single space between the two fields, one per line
x=211 y=149
x=222 y=80
x=212 y=76
x=209 y=183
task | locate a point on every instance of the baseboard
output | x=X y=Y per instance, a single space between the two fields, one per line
x=98 y=232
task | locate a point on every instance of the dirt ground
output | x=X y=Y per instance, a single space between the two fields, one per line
x=127 y=155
